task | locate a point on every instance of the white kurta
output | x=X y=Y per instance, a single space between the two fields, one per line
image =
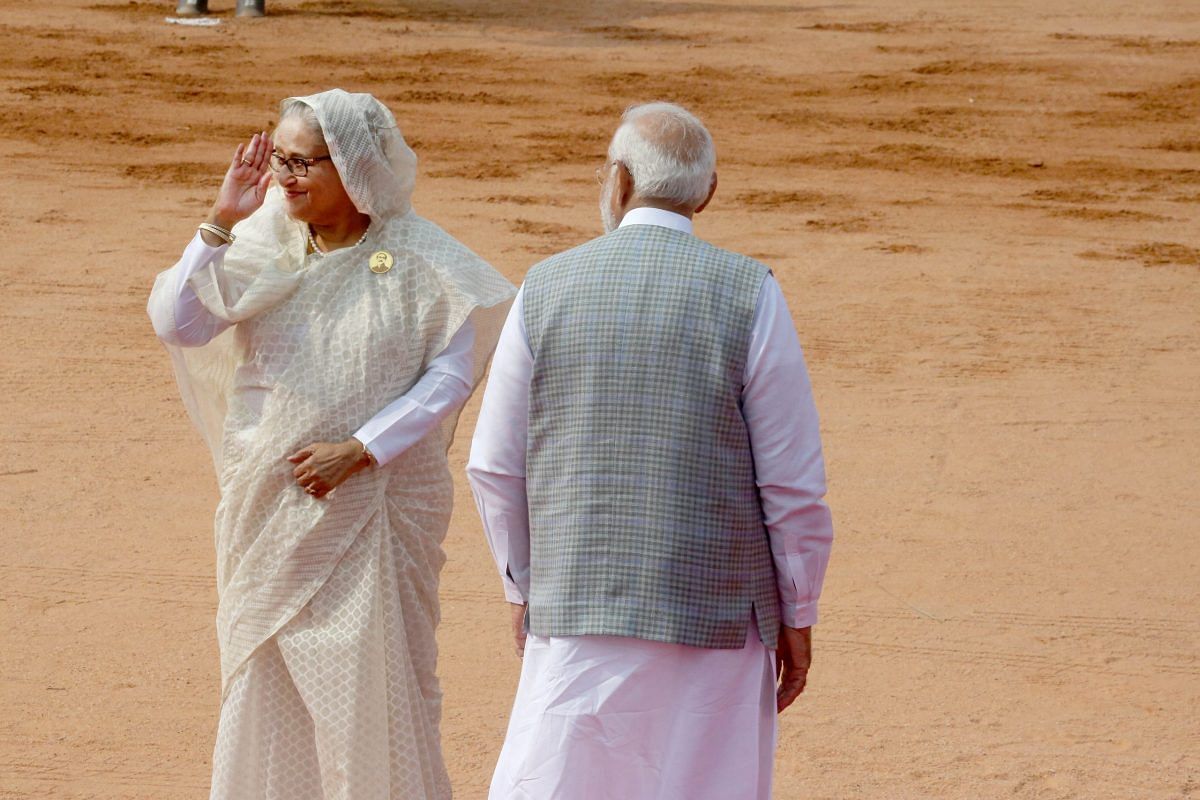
x=614 y=718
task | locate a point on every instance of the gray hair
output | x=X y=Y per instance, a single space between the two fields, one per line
x=295 y=107
x=668 y=152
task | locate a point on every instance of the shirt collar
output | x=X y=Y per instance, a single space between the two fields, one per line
x=657 y=216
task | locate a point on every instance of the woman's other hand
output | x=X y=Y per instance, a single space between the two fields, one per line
x=322 y=467
x=246 y=181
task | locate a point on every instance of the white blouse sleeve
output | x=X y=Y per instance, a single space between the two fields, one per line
x=178 y=316
x=444 y=386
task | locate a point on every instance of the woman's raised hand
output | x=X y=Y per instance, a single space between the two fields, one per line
x=246 y=182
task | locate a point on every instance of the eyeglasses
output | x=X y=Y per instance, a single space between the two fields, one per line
x=602 y=172
x=296 y=165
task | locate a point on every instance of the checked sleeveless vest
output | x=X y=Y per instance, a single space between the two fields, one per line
x=645 y=519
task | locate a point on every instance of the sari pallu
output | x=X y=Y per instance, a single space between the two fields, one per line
x=344 y=344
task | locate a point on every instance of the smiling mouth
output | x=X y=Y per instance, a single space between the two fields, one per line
x=292 y=194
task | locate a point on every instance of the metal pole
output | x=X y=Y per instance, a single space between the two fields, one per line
x=251 y=8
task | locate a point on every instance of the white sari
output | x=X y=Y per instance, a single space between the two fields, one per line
x=328 y=608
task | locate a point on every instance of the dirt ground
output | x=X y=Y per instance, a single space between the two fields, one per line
x=984 y=218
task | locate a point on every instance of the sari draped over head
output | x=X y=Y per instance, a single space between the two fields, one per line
x=319 y=346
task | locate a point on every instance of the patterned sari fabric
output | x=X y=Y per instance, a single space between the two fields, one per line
x=328 y=608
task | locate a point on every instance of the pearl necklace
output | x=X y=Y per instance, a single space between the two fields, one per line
x=320 y=253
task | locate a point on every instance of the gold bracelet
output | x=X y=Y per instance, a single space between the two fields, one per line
x=216 y=230
x=371 y=462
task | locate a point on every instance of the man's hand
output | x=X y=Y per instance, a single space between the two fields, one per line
x=792 y=659
x=518 y=627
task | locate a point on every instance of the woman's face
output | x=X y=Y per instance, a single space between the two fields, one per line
x=318 y=197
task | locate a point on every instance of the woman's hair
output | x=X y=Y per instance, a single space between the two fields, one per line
x=294 y=107
x=668 y=152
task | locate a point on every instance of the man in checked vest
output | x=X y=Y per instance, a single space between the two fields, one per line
x=648 y=468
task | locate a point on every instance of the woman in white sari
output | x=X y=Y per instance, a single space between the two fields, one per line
x=325 y=355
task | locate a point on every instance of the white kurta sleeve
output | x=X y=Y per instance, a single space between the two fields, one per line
x=778 y=407
x=441 y=389
x=178 y=316
x=496 y=468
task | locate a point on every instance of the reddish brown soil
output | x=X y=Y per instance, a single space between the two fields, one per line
x=985 y=223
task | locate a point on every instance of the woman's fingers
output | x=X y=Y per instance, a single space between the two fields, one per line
x=254 y=154
x=255 y=157
x=251 y=152
x=311 y=481
x=314 y=486
x=248 y=156
x=264 y=152
x=299 y=455
x=303 y=462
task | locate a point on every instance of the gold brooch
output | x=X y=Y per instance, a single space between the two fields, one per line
x=381 y=261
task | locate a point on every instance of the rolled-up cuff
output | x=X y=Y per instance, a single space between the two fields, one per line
x=512 y=593
x=799 y=616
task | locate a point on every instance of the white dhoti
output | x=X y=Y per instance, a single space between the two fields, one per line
x=608 y=718
x=614 y=718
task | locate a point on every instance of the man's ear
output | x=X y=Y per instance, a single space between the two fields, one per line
x=624 y=191
x=712 y=189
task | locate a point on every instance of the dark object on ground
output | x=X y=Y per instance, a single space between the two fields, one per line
x=191 y=8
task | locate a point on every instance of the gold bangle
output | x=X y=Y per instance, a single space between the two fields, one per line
x=219 y=232
x=371 y=462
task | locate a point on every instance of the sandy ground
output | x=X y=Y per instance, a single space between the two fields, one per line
x=984 y=218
